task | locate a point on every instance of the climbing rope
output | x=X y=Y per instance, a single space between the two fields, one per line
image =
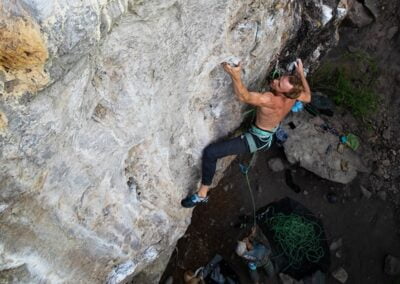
x=297 y=237
x=245 y=170
x=276 y=72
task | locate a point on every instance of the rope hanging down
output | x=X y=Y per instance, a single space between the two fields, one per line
x=245 y=170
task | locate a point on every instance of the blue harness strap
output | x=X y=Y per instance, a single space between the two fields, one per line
x=263 y=135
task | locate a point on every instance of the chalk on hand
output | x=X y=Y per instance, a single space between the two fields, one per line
x=290 y=67
x=233 y=61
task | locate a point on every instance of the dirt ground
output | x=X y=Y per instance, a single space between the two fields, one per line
x=366 y=226
x=369 y=227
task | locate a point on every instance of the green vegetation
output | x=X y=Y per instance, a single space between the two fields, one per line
x=350 y=80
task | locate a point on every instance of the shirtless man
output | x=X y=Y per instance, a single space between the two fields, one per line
x=272 y=107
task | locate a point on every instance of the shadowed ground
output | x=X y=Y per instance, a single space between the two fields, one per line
x=367 y=226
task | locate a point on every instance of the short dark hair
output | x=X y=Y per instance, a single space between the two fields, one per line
x=298 y=87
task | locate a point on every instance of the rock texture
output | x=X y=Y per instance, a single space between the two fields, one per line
x=320 y=151
x=340 y=275
x=276 y=165
x=105 y=108
x=22 y=55
x=392 y=265
x=358 y=15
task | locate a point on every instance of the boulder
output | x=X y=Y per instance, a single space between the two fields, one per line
x=382 y=195
x=392 y=32
x=316 y=149
x=372 y=6
x=286 y=279
x=340 y=275
x=276 y=164
x=365 y=192
x=359 y=16
x=392 y=265
x=336 y=244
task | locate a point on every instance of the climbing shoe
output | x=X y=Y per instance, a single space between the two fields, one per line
x=193 y=200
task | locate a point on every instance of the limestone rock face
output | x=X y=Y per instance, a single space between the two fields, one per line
x=22 y=55
x=105 y=107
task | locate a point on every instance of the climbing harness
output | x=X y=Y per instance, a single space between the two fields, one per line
x=266 y=137
x=263 y=135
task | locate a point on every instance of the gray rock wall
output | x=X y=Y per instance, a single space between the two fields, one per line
x=103 y=120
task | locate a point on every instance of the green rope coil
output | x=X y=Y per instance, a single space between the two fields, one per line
x=297 y=238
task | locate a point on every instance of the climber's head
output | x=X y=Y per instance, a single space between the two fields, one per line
x=290 y=86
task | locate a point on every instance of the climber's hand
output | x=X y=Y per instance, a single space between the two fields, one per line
x=232 y=70
x=299 y=67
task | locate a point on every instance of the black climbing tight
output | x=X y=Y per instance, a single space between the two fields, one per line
x=215 y=151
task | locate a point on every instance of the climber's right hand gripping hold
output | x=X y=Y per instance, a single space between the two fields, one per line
x=233 y=71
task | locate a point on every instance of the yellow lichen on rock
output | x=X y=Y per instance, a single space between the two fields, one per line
x=3 y=122
x=23 y=54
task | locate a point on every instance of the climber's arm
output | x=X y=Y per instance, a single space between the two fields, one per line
x=241 y=92
x=305 y=96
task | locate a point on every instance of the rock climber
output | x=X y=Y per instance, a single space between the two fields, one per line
x=272 y=107
x=256 y=255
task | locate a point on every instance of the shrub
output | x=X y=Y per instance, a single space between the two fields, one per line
x=350 y=80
